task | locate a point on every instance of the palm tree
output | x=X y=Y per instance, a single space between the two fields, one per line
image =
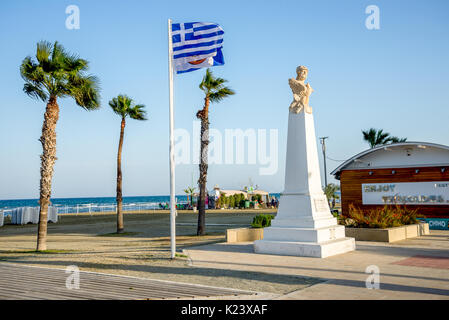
x=190 y=191
x=124 y=107
x=376 y=137
x=214 y=91
x=331 y=193
x=55 y=74
x=397 y=140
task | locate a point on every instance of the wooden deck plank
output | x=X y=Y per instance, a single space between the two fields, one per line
x=98 y=279
x=103 y=284
x=28 y=282
x=103 y=287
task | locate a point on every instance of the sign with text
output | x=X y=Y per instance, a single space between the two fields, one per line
x=436 y=223
x=409 y=193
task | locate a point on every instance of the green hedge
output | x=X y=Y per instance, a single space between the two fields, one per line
x=262 y=220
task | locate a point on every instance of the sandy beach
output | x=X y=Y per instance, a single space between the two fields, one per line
x=88 y=241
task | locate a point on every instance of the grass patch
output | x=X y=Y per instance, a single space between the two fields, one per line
x=179 y=255
x=115 y=234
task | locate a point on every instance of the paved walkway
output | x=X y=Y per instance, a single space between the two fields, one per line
x=410 y=269
x=29 y=283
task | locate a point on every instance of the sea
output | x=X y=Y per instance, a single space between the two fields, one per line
x=99 y=204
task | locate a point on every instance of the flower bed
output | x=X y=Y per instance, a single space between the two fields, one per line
x=388 y=234
x=379 y=218
x=387 y=224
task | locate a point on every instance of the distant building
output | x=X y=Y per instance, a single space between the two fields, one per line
x=264 y=194
x=412 y=173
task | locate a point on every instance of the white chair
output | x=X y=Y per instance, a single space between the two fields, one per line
x=27 y=215
x=17 y=216
x=22 y=215
x=34 y=215
x=13 y=216
x=52 y=214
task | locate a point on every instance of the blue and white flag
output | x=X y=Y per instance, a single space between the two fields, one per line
x=196 y=45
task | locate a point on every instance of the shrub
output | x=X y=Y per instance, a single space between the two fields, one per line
x=236 y=200
x=220 y=201
x=231 y=201
x=223 y=201
x=256 y=197
x=386 y=217
x=262 y=220
x=241 y=200
x=226 y=202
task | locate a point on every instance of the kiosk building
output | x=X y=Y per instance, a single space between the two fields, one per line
x=415 y=174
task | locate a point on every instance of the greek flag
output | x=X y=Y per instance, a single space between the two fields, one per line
x=196 y=45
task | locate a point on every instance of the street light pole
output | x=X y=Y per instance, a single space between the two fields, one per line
x=323 y=147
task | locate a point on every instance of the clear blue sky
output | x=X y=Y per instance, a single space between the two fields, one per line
x=395 y=78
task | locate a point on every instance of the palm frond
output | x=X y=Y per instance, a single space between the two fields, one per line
x=35 y=91
x=124 y=106
x=43 y=51
x=59 y=74
x=221 y=94
x=85 y=91
x=137 y=113
x=209 y=83
x=376 y=137
x=214 y=87
x=396 y=140
x=118 y=105
x=74 y=64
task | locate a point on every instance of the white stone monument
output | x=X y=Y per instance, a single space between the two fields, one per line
x=304 y=225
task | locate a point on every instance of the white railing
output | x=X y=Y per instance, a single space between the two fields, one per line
x=100 y=208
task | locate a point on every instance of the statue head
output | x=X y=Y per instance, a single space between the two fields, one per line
x=302 y=72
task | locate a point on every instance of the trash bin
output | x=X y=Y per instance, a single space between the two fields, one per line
x=247 y=204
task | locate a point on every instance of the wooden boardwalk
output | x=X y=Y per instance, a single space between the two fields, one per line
x=21 y=282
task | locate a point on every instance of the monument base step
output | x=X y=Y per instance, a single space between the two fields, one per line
x=305 y=249
x=304 y=222
x=318 y=235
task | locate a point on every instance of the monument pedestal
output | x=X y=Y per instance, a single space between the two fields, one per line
x=304 y=225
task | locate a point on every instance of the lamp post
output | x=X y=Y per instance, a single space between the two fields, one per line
x=323 y=147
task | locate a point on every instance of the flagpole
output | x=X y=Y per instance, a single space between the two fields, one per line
x=172 y=147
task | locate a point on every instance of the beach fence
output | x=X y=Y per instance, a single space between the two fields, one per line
x=24 y=215
x=93 y=207
x=126 y=207
x=100 y=208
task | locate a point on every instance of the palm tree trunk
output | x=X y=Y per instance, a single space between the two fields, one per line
x=48 y=158
x=120 y=226
x=204 y=116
